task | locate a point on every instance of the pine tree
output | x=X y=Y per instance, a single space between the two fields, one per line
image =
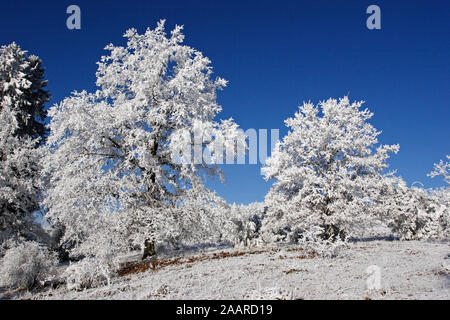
x=22 y=130
x=23 y=86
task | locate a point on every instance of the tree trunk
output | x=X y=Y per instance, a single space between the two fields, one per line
x=149 y=249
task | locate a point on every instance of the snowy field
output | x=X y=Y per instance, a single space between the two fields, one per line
x=408 y=270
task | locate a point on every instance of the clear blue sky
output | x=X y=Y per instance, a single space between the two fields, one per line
x=275 y=54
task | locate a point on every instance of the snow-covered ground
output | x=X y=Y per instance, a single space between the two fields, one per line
x=408 y=270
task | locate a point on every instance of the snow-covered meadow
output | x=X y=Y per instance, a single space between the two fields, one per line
x=408 y=270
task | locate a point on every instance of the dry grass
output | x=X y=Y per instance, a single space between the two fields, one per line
x=295 y=270
x=155 y=264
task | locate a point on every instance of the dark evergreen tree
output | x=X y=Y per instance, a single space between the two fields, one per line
x=22 y=131
x=22 y=83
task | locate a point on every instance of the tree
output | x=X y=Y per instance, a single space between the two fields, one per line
x=22 y=99
x=199 y=217
x=23 y=87
x=415 y=213
x=114 y=154
x=327 y=171
x=441 y=169
x=244 y=223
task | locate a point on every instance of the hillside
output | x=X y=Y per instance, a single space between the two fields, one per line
x=409 y=270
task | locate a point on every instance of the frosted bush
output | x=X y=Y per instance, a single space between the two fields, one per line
x=88 y=273
x=311 y=241
x=102 y=251
x=418 y=214
x=4 y=246
x=244 y=224
x=241 y=231
x=442 y=197
x=26 y=265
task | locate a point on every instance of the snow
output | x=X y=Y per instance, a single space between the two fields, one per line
x=409 y=270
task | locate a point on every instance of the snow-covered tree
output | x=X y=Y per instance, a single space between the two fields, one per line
x=415 y=213
x=327 y=171
x=244 y=224
x=23 y=87
x=441 y=169
x=22 y=99
x=198 y=218
x=113 y=155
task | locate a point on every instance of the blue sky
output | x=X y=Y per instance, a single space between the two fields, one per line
x=275 y=55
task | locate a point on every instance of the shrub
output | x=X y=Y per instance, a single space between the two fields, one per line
x=312 y=241
x=420 y=214
x=244 y=224
x=26 y=265
x=87 y=273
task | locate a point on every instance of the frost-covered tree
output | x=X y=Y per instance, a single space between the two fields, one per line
x=244 y=223
x=327 y=171
x=199 y=217
x=23 y=87
x=441 y=169
x=114 y=154
x=22 y=99
x=415 y=213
